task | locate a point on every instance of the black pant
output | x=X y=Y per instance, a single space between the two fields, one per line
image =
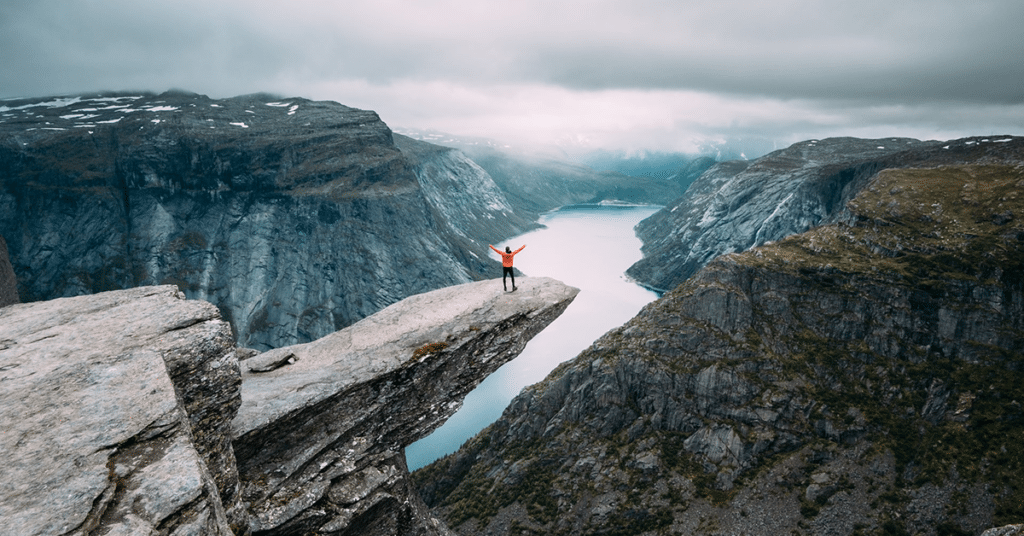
x=505 y=272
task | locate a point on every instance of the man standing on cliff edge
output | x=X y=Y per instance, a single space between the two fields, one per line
x=506 y=264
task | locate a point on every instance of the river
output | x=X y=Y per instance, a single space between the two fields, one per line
x=588 y=247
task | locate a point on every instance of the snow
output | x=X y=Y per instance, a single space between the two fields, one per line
x=108 y=122
x=279 y=104
x=59 y=103
x=160 y=108
x=881 y=147
x=114 y=107
x=243 y=125
x=1003 y=141
x=777 y=209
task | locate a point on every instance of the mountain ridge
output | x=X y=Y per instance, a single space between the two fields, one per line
x=737 y=205
x=294 y=217
x=861 y=377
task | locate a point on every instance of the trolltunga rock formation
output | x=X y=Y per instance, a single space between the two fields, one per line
x=320 y=438
x=127 y=412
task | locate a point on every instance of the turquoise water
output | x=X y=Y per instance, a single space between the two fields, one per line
x=588 y=247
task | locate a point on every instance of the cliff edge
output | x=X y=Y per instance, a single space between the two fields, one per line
x=130 y=412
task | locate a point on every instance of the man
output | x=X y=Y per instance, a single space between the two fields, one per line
x=506 y=264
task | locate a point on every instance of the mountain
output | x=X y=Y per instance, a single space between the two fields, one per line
x=296 y=218
x=740 y=204
x=540 y=182
x=861 y=377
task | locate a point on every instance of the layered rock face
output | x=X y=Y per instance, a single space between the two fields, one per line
x=737 y=205
x=8 y=282
x=295 y=218
x=860 y=378
x=127 y=412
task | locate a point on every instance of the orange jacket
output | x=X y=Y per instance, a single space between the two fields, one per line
x=506 y=258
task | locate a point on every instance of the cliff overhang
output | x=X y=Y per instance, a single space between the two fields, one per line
x=130 y=411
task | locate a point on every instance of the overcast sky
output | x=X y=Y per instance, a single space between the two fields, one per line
x=630 y=74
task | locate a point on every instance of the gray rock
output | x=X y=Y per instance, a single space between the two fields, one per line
x=8 y=283
x=320 y=438
x=97 y=436
x=1008 y=530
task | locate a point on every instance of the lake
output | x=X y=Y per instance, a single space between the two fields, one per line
x=586 y=246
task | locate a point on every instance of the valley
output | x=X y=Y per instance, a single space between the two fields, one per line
x=836 y=349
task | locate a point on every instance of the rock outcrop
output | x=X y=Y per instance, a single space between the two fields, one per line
x=321 y=433
x=739 y=204
x=8 y=281
x=128 y=412
x=863 y=377
x=1008 y=530
x=103 y=429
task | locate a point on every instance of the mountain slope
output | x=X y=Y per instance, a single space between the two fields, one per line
x=864 y=377
x=736 y=205
x=295 y=217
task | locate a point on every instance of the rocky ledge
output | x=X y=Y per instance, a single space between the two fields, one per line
x=130 y=412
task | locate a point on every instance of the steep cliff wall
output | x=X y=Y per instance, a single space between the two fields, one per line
x=8 y=281
x=864 y=377
x=128 y=412
x=737 y=205
x=294 y=217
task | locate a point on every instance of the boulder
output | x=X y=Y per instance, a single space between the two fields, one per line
x=98 y=437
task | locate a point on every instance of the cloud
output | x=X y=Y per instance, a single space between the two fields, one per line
x=611 y=72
